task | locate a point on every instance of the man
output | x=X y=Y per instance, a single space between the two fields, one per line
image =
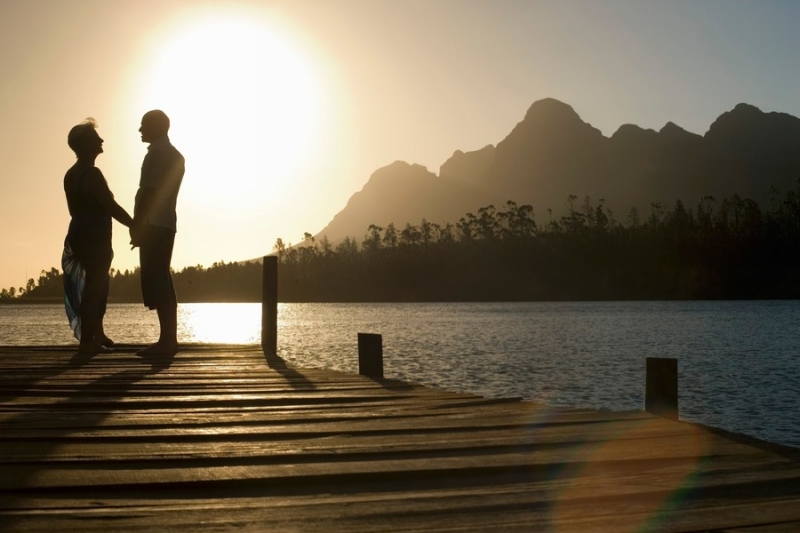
x=154 y=226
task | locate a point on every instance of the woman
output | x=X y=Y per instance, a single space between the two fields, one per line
x=87 y=248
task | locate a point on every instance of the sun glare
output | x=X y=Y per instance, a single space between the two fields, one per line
x=226 y=323
x=245 y=105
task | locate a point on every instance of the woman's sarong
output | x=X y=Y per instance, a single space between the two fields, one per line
x=74 y=282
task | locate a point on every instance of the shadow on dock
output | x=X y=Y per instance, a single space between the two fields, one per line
x=218 y=440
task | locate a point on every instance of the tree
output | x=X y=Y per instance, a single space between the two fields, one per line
x=488 y=226
x=325 y=246
x=410 y=236
x=372 y=241
x=705 y=212
x=447 y=234
x=575 y=221
x=280 y=248
x=465 y=227
x=633 y=218
x=601 y=219
x=427 y=232
x=656 y=212
x=588 y=211
x=390 y=236
x=517 y=221
x=348 y=247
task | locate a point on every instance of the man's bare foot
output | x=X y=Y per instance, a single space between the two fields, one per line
x=159 y=348
x=93 y=348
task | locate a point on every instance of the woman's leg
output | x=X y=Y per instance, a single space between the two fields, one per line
x=99 y=332
x=91 y=292
x=95 y=292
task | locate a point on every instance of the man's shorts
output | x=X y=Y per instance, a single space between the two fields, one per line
x=155 y=255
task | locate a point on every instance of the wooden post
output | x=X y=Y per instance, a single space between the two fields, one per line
x=269 y=306
x=661 y=387
x=370 y=355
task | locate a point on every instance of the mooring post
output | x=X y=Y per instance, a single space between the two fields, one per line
x=370 y=355
x=661 y=387
x=269 y=306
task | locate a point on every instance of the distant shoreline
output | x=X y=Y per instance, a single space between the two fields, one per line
x=51 y=301
x=22 y=301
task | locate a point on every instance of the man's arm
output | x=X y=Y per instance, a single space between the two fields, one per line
x=152 y=170
x=145 y=198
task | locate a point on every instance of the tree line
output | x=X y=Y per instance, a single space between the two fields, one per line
x=726 y=249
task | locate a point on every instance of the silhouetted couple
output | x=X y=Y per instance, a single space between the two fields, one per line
x=87 y=249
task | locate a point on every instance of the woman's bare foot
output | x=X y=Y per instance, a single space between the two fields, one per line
x=93 y=348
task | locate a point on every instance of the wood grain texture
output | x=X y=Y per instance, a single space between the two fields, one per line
x=220 y=438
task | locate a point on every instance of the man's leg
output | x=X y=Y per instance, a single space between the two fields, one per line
x=168 y=323
x=168 y=326
x=158 y=290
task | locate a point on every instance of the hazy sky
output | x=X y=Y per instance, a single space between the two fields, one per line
x=283 y=109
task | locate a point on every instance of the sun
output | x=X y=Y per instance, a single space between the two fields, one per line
x=244 y=101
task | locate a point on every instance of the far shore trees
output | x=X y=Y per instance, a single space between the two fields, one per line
x=723 y=249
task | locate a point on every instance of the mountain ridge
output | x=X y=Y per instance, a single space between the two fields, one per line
x=552 y=153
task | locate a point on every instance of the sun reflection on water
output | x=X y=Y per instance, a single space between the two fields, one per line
x=225 y=323
x=738 y=355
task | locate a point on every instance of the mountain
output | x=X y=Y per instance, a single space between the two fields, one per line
x=401 y=193
x=552 y=154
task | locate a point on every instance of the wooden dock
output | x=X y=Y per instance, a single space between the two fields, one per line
x=221 y=439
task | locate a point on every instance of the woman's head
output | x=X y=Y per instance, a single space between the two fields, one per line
x=84 y=140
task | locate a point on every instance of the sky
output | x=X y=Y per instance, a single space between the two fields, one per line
x=283 y=109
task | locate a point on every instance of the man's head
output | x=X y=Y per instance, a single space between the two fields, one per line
x=84 y=140
x=155 y=124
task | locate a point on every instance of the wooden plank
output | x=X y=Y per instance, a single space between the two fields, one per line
x=217 y=440
x=784 y=527
x=438 y=511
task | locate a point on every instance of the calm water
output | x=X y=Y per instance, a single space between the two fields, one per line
x=738 y=361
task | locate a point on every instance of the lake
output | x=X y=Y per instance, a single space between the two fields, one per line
x=738 y=360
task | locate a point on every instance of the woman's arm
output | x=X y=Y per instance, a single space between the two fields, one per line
x=98 y=187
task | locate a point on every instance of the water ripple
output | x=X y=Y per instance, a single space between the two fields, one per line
x=738 y=368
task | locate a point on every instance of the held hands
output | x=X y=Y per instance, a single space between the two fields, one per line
x=136 y=235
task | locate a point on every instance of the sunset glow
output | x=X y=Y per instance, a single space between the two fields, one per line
x=284 y=110
x=245 y=106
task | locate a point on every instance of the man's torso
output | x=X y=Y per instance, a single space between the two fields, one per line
x=162 y=171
